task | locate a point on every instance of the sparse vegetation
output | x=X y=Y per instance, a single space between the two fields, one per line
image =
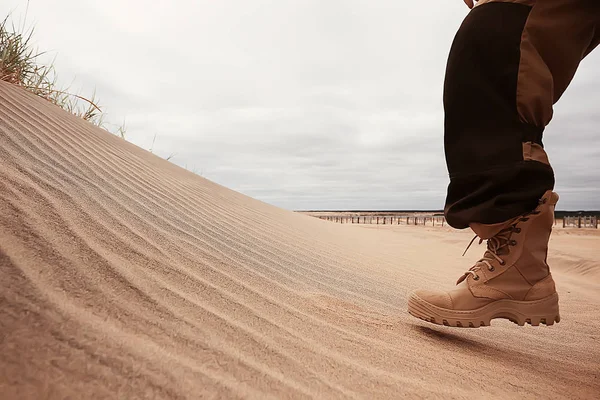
x=19 y=65
x=151 y=149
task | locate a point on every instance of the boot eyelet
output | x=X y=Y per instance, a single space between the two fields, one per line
x=513 y=242
x=476 y=278
x=491 y=269
x=503 y=263
x=518 y=230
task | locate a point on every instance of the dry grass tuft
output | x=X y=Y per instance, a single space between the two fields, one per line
x=19 y=66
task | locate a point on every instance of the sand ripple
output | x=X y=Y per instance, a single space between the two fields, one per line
x=124 y=276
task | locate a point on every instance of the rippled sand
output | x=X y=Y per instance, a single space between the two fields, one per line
x=125 y=276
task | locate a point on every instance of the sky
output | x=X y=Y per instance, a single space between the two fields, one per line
x=303 y=104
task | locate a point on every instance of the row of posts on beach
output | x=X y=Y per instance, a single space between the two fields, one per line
x=386 y=220
x=578 y=221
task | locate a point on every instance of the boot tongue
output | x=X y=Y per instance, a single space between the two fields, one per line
x=487 y=231
x=495 y=245
x=500 y=252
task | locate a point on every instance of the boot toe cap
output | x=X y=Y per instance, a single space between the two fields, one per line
x=436 y=298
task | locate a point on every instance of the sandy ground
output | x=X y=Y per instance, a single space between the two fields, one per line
x=124 y=276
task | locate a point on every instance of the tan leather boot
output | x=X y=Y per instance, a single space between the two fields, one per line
x=512 y=279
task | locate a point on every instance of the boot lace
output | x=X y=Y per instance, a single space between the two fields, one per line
x=496 y=246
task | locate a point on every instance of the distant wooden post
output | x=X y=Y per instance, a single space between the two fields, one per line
x=564 y=221
x=579 y=222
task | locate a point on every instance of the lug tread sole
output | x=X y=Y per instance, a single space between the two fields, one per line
x=535 y=313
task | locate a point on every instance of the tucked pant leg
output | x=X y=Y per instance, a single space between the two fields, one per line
x=509 y=63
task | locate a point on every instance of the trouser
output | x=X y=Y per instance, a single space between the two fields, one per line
x=510 y=62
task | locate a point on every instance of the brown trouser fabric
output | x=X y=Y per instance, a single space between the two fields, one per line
x=509 y=63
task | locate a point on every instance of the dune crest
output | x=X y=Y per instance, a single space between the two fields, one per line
x=123 y=275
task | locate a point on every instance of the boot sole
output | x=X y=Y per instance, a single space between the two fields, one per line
x=535 y=312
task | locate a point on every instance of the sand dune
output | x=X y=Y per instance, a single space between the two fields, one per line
x=125 y=276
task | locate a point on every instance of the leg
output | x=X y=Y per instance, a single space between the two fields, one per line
x=510 y=62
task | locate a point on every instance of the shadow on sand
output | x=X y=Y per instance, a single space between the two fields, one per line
x=451 y=338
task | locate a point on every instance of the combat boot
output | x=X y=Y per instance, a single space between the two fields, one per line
x=512 y=279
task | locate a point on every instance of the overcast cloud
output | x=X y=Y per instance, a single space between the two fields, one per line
x=329 y=104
